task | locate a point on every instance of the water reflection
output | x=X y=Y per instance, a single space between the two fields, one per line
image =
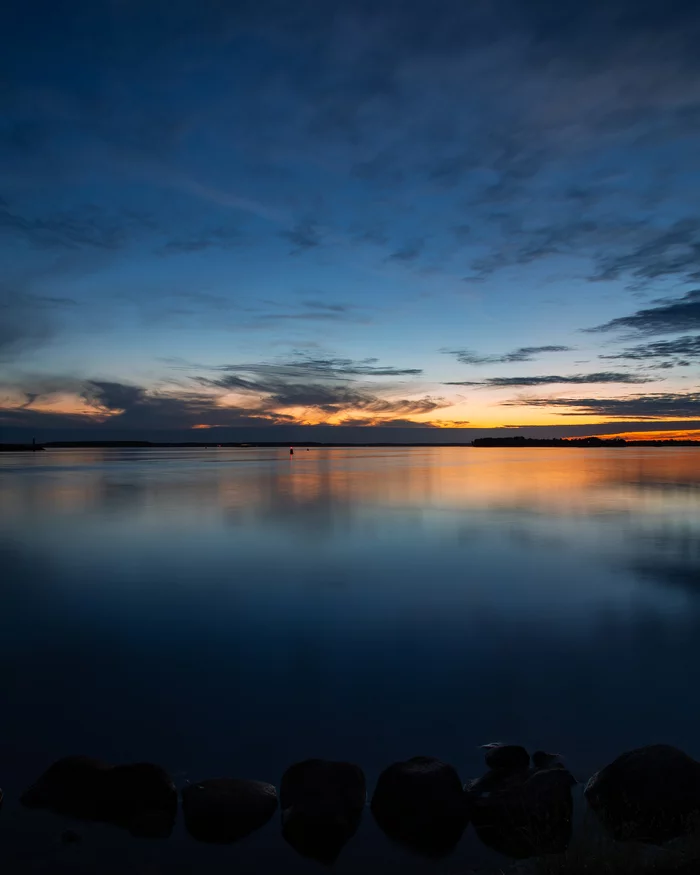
x=234 y=611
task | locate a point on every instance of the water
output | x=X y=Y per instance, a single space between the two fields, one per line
x=229 y=612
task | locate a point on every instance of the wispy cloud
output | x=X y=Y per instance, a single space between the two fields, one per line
x=676 y=315
x=522 y=354
x=217 y=238
x=410 y=251
x=661 y=406
x=86 y=226
x=27 y=319
x=573 y=379
x=681 y=349
x=303 y=236
x=334 y=368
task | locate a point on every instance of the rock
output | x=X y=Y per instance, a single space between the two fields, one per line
x=526 y=814
x=508 y=757
x=322 y=804
x=140 y=797
x=420 y=804
x=651 y=794
x=543 y=760
x=72 y=786
x=224 y=810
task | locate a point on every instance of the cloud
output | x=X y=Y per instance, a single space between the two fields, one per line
x=523 y=354
x=131 y=407
x=680 y=314
x=333 y=368
x=113 y=396
x=87 y=226
x=688 y=347
x=328 y=386
x=575 y=379
x=217 y=238
x=27 y=319
x=660 y=406
x=409 y=251
x=661 y=253
x=313 y=316
x=152 y=412
x=303 y=236
x=617 y=245
x=333 y=389
x=328 y=308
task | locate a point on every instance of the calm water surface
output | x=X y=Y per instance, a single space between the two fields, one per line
x=229 y=612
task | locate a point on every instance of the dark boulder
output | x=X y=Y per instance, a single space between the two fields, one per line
x=526 y=814
x=651 y=794
x=140 y=797
x=322 y=804
x=420 y=803
x=224 y=810
x=73 y=786
x=506 y=757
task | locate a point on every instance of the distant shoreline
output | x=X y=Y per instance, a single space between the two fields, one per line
x=511 y=442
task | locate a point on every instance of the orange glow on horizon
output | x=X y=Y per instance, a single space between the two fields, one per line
x=678 y=435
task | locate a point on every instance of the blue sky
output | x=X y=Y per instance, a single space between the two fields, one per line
x=265 y=215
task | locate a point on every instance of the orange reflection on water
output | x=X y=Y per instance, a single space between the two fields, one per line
x=192 y=483
x=555 y=480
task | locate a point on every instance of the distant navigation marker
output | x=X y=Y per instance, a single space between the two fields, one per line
x=291 y=451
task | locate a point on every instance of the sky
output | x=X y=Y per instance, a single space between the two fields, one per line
x=247 y=218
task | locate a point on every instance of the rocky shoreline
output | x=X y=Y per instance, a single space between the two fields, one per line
x=522 y=806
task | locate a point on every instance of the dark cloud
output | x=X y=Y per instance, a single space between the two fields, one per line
x=688 y=347
x=218 y=238
x=392 y=424
x=152 y=412
x=523 y=354
x=660 y=254
x=113 y=396
x=618 y=245
x=676 y=315
x=130 y=407
x=520 y=243
x=87 y=226
x=304 y=235
x=381 y=170
x=575 y=379
x=329 y=308
x=326 y=385
x=372 y=236
x=309 y=315
x=462 y=231
x=27 y=319
x=660 y=406
x=410 y=251
x=320 y=368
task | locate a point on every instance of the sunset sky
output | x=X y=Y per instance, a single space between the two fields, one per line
x=251 y=216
